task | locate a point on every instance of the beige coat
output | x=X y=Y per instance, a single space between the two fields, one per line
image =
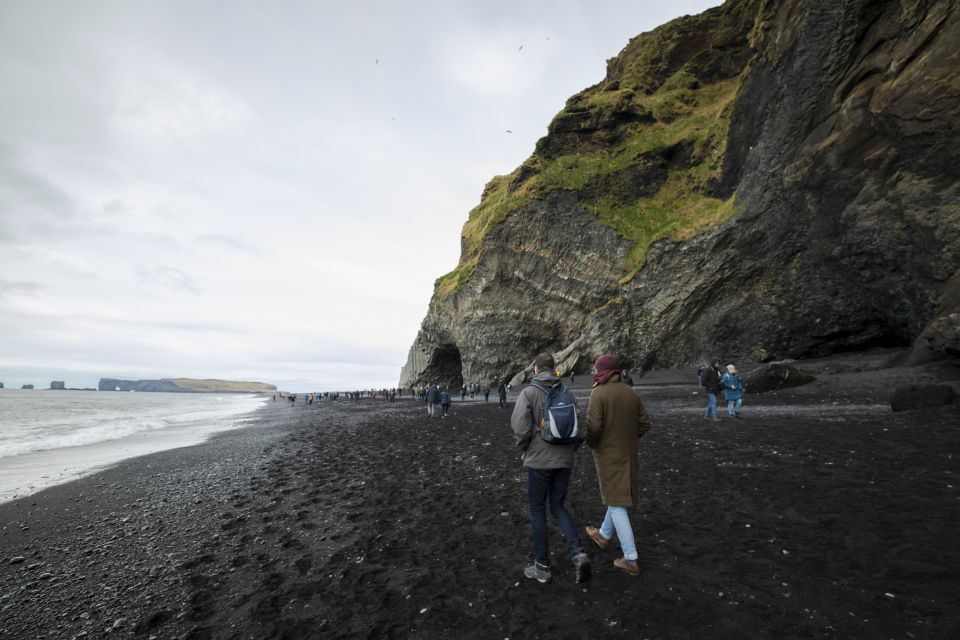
x=616 y=419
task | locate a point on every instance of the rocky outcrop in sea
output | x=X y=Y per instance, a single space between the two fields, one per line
x=185 y=385
x=763 y=181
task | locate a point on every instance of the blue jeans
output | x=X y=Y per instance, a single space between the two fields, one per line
x=711 y=411
x=733 y=406
x=619 y=518
x=544 y=485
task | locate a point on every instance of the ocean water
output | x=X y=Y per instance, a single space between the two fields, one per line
x=48 y=437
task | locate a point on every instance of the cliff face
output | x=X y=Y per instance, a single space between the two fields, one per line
x=185 y=385
x=764 y=180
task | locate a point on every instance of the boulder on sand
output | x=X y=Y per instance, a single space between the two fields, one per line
x=773 y=376
x=923 y=396
x=941 y=338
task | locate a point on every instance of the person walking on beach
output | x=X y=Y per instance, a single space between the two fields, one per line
x=710 y=381
x=433 y=398
x=548 y=474
x=732 y=391
x=502 y=395
x=616 y=419
x=445 y=401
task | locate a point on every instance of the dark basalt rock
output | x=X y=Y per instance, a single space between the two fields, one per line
x=842 y=152
x=919 y=397
x=112 y=384
x=773 y=376
x=941 y=338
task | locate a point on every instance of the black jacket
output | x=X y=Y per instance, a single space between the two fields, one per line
x=710 y=379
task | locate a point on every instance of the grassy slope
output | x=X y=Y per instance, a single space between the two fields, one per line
x=677 y=100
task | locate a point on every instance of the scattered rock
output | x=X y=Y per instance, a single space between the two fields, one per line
x=773 y=376
x=918 y=397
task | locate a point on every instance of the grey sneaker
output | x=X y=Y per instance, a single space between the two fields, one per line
x=537 y=571
x=581 y=567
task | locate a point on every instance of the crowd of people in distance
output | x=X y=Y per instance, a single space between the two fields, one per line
x=389 y=394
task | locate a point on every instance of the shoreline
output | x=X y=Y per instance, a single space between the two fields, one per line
x=24 y=474
x=370 y=519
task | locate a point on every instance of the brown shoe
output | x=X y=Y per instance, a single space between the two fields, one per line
x=630 y=566
x=594 y=534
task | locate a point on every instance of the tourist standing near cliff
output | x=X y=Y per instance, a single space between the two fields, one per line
x=616 y=419
x=710 y=381
x=732 y=391
x=433 y=399
x=548 y=475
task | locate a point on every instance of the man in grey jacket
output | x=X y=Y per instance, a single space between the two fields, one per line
x=548 y=474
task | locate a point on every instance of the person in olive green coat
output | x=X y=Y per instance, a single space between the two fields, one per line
x=616 y=419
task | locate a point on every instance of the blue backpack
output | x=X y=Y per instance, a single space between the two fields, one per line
x=559 y=424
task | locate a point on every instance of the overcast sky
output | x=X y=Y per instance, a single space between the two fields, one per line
x=262 y=190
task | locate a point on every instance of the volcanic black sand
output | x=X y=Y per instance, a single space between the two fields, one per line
x=819 y=514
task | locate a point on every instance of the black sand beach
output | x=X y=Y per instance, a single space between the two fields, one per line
x=820 y=514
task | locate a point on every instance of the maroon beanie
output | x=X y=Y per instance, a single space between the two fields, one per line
x=607 y=366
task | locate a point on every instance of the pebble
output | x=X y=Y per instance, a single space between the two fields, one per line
x=17 y=559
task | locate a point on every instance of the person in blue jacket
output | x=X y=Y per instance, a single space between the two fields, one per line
x=445 y=401
x=732 y=391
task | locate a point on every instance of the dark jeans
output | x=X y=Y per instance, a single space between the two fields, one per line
x=544 y=485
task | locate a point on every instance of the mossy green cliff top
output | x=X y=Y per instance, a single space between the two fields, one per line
x=644 y=149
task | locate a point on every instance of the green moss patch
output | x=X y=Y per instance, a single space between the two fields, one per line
x=664 y=109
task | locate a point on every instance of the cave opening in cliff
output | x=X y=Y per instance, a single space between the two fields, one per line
x=445 y=366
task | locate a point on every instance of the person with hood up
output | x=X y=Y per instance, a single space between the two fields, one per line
x=548 y=474
x=616 y=419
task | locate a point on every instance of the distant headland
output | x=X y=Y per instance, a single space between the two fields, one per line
x=185 y=385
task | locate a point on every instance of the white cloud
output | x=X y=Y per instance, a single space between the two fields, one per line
x=191 y=191
x=164 y=105
x=500 y=63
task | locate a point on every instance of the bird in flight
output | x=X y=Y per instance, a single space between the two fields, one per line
x=521 y=48
x=508 y=131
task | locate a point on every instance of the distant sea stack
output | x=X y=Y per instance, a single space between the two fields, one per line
x=27 y=386
x=185 y=385
x=58 y=385
x=765 y=180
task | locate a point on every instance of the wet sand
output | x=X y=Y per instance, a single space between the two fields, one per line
x=819 y=514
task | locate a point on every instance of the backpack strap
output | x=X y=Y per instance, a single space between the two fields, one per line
x=540 y=385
